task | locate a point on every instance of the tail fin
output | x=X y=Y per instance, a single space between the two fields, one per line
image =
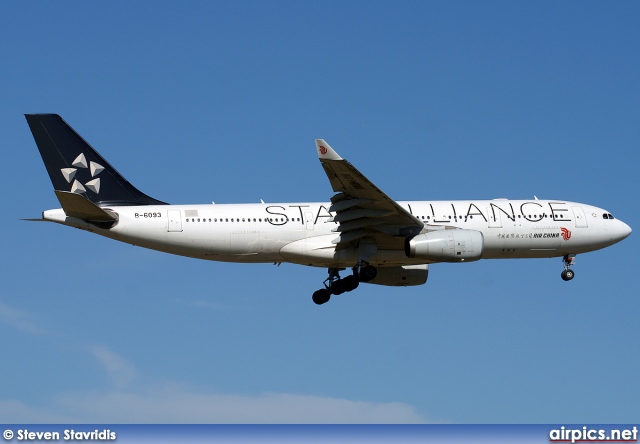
x=74 y=166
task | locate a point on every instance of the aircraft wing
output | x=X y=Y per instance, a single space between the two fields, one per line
x=361 y=208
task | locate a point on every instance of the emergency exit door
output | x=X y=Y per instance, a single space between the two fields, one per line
x=581 y=219
x=174 y=220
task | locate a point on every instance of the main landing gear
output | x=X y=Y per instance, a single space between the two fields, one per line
x=336 y=285
x=568 y=261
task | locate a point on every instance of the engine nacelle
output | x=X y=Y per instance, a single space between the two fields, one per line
x=456 y=245
x=402 y=276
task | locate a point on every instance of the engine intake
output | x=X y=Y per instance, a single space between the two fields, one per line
x=456 y=245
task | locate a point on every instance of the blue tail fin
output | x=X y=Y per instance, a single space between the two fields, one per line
x=74 y=166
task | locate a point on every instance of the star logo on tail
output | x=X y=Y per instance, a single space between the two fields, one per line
x=80 y=163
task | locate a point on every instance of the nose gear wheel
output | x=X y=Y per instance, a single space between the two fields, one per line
x=568 y=261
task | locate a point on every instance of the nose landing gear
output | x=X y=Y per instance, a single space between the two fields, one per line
x=568 y=261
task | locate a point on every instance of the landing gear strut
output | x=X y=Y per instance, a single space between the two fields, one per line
x=568 y=261
x=336 y=285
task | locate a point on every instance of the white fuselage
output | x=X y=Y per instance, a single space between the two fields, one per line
x=302 y=232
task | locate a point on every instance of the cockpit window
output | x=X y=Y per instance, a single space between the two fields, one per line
x=611 y=216
x=608 y=216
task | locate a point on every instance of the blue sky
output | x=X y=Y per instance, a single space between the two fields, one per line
x=221 y=101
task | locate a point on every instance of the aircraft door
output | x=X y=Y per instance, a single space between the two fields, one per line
x=308 y=220
x=495 y=219
x=581 y=219
x=174 y=220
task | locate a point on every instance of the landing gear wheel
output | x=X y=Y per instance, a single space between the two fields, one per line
x=350 y=283
x=321 y=296
x=567 y=275
x=338 y=287
x=368 y=273
x=334 y=285
x=568 y=261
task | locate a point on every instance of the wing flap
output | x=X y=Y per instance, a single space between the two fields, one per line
x=342 y=205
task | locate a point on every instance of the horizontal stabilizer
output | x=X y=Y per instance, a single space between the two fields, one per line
x=76 y=205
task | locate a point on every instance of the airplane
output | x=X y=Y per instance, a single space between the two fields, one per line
x=362 y=229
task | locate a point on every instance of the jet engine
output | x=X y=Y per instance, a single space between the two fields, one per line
x=457 y=245
x=402 y=276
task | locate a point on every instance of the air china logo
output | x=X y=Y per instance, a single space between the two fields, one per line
x=80 y=163
x=323 y=150
x=566 y=234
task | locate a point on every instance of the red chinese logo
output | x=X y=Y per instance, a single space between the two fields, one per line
x=566 y=234
x=323 y=150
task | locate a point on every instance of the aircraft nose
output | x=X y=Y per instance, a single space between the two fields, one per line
x=624 y=230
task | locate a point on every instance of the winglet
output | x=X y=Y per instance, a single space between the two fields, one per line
x=325 y=152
